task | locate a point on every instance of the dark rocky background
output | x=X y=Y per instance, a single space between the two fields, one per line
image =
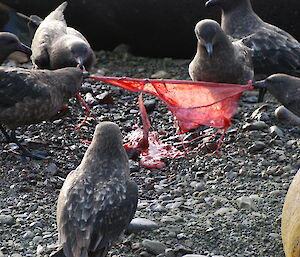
x=156 y=28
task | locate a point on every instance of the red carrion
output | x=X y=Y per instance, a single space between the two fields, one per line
x=193 y=103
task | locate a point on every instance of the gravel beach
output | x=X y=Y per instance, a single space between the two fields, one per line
x=227 y=204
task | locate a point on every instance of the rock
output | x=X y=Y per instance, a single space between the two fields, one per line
x=154 y=247
x=150 y=105
x=37 y=239
x=194 y=255
x=105 y=98
x=140 y=224
x=39 y=250
x=225 y=211
x=171 y=219
x=90 y=100
x=28 y=235
x=284 y=115
x=257 y=146
x=7 y=219
x=247 y=203
x=275 y=131
x=169 y=252
x=1 y=254
x=51 y=169
x=258 y=125
x=160 y=75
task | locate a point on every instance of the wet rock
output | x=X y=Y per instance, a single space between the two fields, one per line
x=140 y=224
x=154 y=247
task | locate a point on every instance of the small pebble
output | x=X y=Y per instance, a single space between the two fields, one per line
x=154 y=247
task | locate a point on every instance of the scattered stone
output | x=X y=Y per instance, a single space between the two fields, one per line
x=154 y=247
x=247 y=203
x=275 y=131
x=194 y=255
x=90 y=100
x=51 y=169
x=284 y=115
x=7 y=219
x=258 y=125
x=257 y=146
x=169 y=252
x=28 y=235
x=105 y=98
x=140 y=224
x=150 y=105
x=39 y=250
x=225 y=211
x=160 y=75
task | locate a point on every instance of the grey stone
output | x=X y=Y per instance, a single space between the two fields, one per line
x=258 y=125
x=226 y=211
x=139 y=224
x=51 y=169
x=275 y=131
x=7 y=219
x=257 y=146
x=37 y=239
x=169 y=252
x=160 y=75
x=154 y=247
x=245 y=202
x=28 y=235
x=194 y=255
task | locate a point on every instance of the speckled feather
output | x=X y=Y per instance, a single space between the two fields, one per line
x=230 y=62
x=97 y=201
x=10 y=43
x=53 y=43
x=32 y=96
x=274 y=49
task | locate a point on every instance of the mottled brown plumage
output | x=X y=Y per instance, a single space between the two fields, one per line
x=218 y=59
x=97 y=200
x=55 y=45
x=32 y=96
x=274 y=50
x=285 y=88
x=12 y=48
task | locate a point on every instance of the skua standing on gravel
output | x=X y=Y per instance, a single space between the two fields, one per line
x=55 y=45
x=32 y=96
x=285 y=88
x=274 y=50
x=218 y=59
x=97 y=200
